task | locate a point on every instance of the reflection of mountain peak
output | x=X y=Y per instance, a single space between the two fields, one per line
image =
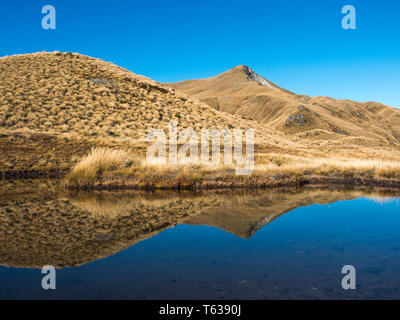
x=245 y=216
x=239 y=222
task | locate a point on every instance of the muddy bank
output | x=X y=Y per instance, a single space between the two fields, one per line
x=21 y=174
x=251 y=182
x=351 y=181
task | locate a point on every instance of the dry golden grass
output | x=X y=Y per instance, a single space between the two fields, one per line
x=117 y=167
x=102 y=165
x=335 y=167
x=97 y=162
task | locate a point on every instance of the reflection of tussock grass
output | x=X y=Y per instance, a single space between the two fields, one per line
x=123 y=203
x=117 y=204
x=105 y=207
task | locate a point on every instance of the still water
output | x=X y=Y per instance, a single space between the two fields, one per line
x=268 y=244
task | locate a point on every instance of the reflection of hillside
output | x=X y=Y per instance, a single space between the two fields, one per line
x=40 y=225
x=72 y=230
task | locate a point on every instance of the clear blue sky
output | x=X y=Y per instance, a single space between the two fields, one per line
x=299 y=45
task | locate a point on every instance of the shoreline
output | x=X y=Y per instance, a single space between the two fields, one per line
x=226 y=183
x=255 y=183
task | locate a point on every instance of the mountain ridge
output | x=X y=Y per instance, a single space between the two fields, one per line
x=241 y=91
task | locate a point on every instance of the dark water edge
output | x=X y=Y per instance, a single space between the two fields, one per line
x=270 y=244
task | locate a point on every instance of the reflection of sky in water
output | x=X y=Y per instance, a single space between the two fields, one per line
x=299 y=255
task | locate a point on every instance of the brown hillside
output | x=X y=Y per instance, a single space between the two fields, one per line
x=54 y=106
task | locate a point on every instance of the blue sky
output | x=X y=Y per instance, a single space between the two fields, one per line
x=299 y=45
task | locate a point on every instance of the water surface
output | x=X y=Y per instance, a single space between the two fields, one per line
x=269 y=244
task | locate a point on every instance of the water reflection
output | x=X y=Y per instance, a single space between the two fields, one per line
x=40 y=224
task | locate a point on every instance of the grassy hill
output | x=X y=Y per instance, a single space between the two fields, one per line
x=54 y=106
x=66 y=93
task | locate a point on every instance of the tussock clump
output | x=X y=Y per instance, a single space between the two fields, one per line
x=98 y=162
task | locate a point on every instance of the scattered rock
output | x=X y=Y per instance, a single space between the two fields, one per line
x=303 y=108
x=101 y=82
x=296 y=119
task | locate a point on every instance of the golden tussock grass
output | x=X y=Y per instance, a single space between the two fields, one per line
x=350 y=167
x=119 y=167
x=99 y=161
x=105 y=164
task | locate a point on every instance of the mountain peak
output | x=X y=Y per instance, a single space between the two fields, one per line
x=242 y=68
x=252 y=75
